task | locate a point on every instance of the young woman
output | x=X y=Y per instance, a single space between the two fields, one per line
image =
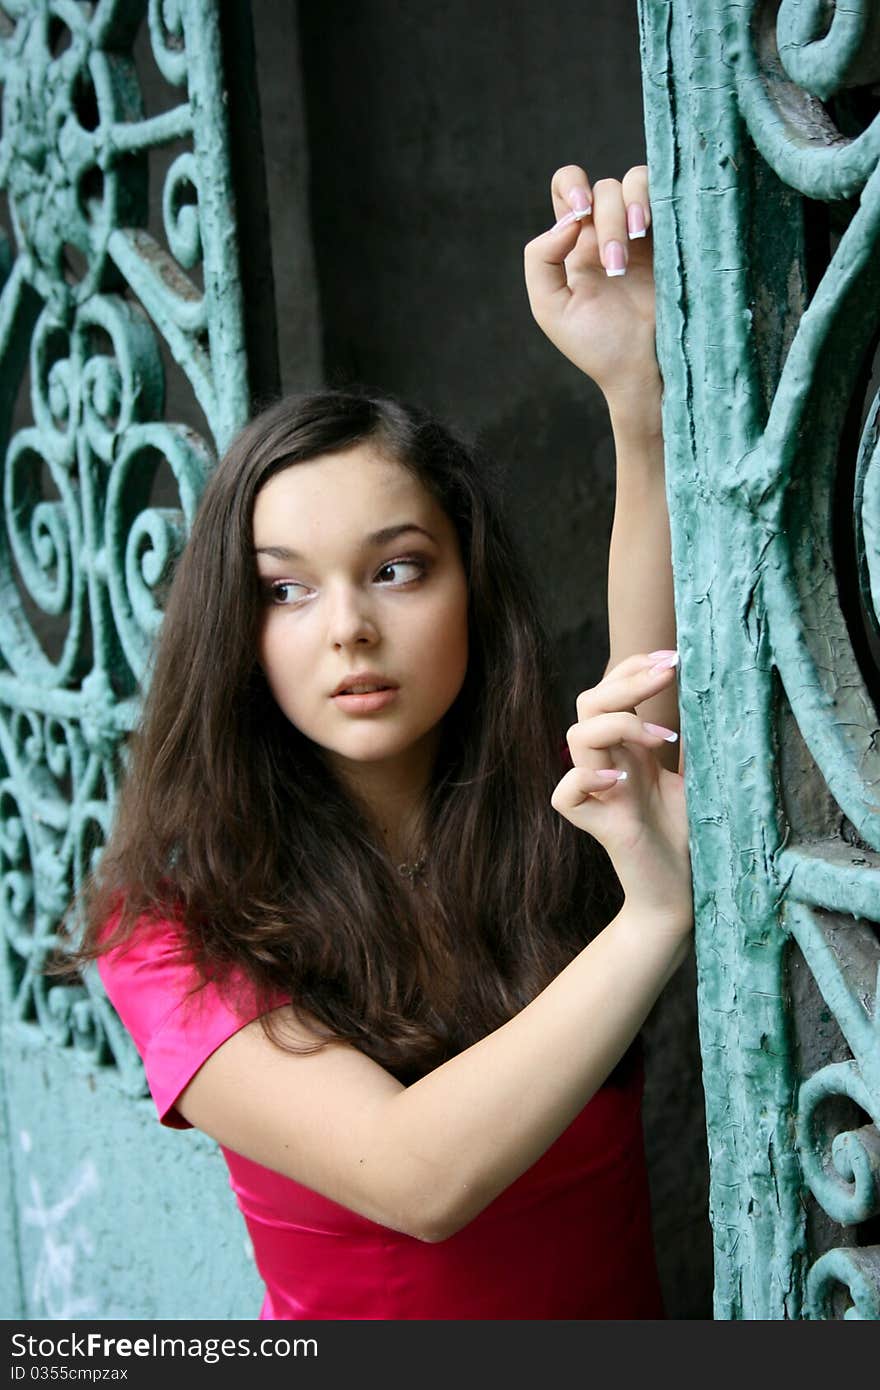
x=357 y=935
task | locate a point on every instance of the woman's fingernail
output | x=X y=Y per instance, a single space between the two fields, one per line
x=666 y=664
x=669 y=734
x=636 y=225
x=664 y=651
x=580 y=202
x=565 y=221
x=611 y=774
x=614 y=258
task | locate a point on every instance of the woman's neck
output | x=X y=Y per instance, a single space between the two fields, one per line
x=393 y=793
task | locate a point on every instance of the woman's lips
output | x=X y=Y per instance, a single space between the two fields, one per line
x=368 y=702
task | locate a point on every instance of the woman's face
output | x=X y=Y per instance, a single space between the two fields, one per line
x=363 y=638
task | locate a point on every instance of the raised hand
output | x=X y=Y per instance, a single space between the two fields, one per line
x=590 y=279
x=619 y=792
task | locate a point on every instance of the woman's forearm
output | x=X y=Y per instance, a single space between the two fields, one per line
x=641 y=613
x=473 y=1125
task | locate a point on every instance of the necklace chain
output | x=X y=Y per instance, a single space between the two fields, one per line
x=413 y=869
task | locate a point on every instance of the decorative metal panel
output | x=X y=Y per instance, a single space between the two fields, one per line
x=100 y=297
x=763 y=149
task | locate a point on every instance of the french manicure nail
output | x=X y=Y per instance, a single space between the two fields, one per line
x=664 y=651
x=635 y=221
x=668 y=663
x=611 y=774
x=580 y=202
x=614 y=258
x=668 y=734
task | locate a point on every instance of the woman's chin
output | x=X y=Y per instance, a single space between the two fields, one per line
x=368 y=750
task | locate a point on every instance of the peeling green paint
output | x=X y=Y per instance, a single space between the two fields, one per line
x=757 y=384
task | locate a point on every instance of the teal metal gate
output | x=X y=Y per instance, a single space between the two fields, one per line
x=764 y=142
x=107 y=293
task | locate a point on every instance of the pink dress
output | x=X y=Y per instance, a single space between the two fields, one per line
x=571 y=1238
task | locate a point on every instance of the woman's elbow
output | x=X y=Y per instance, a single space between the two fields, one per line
x=440 y=1220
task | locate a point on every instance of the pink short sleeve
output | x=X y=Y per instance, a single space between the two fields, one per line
x=148 y=982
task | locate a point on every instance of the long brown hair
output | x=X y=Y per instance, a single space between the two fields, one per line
x=230 y=820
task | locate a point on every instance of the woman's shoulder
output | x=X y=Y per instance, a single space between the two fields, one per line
x=151 y=974
x=146 y=973
x=175 y=1016
x=151 y=942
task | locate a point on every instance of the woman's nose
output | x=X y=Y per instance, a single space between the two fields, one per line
x=351 y=621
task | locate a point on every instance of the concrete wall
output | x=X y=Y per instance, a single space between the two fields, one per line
x=113 y=1213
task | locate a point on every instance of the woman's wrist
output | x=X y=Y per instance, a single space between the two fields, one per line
x=673 y=917
x=648 y=947
x=635 y=409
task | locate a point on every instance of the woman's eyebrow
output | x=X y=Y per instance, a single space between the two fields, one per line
x=388 y=533
x=391 y=533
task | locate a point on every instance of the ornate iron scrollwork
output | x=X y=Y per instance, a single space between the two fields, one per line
x=779 y=658
x=92 y=296
x=788 y=63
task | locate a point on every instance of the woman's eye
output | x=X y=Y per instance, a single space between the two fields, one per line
x=400 y=572
x=275 y=593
